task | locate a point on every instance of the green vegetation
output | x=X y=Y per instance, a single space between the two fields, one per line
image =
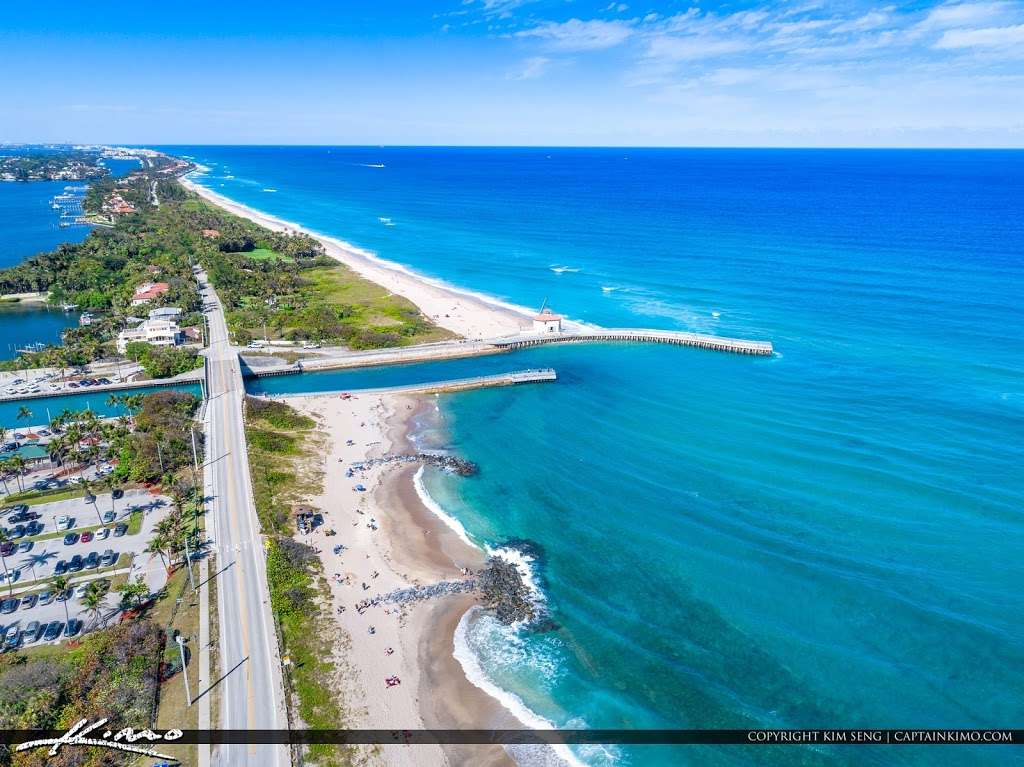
x=163 y=361
x=282 y=448
x=161 y=442
x=265 y=254
x=111 y=673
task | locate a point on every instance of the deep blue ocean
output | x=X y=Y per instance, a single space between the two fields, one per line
x=830 y=537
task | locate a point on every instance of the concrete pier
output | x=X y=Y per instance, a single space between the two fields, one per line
x=539 y=375
x=639 y=335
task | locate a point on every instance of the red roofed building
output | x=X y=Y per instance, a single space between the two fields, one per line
x=147 y=291
x=547 y=322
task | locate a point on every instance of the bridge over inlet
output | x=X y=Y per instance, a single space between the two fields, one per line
x=637 y=335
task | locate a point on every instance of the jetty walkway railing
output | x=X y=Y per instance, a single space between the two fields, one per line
x=638 y=335
x=514 y=378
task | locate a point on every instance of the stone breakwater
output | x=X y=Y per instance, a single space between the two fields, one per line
x=450 y=463
x=499 y=584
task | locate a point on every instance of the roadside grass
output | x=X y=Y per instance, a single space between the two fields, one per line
x=284 y=453
x=32 y=497
x=178 y=611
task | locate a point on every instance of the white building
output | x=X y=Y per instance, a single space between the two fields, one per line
x=155 y=332
x=547 y=322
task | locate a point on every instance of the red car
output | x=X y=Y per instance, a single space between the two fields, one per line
x=86 y=537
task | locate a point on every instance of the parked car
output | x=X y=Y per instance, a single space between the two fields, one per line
x=8 y=606
x=120 y=529
x=34 y=528
x=71 y=539
x=86 y=537
x=76 y=563
x=10 y=576
x=108 y=558
x=31 y=632
x=46 y=597
x=73 y=627
x=64 y=596
x=24 y=547
x=92 y=561
x=103 y=533
x=18 y=531
x=52 y=631
x=6 y=549
x=61 y=567
x=29 y=601
x=17 y=508
x=109 y=516
x=12 y=638
x=64 y=522
x=117 y=493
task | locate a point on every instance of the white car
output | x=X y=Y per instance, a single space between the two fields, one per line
x=103 y=533
x=10 y=576
x=64 y=522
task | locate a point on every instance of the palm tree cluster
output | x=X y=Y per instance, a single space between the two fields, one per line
x=172 y=532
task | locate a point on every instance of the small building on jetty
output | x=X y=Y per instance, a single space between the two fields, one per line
x=546 y=321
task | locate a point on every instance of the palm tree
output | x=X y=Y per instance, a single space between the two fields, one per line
x=60 y=584
x=5 y=472
x=90 y=497
x=24 y=413
x=5 y=538
x=156 y=545
x=17 y=464
x=93 y=598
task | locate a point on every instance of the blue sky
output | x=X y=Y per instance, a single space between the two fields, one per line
x=525 y=72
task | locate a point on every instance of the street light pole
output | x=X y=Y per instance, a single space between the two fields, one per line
x=184 y=670
x=188 y=564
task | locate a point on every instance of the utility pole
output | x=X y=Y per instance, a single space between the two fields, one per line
x=195 y=455
x=188 y=564
x=184 y=669
x=160 y=454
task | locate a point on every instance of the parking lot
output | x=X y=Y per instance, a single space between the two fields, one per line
x=30 y=572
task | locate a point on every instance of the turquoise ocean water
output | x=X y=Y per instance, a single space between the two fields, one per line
x=829 y=537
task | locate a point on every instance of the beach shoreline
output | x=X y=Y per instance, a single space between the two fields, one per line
x=466 y=313
x=392 y=541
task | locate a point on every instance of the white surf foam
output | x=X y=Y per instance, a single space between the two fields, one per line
x=474 y=672
x=269 y=190
x=436 y=509
x=563 y=269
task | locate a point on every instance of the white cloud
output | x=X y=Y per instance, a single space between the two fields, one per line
x=531 y=68
x=577 y=35
x=672 y=48
x=870 y=20
x=988 y=37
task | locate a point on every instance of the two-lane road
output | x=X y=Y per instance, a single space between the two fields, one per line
x=250 y=687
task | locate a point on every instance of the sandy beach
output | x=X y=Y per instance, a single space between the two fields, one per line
x=392 y=541
x=459 y=311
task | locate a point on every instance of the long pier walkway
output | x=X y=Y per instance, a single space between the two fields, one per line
x=467 y=348
x=638 y=335
x=539 y=375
